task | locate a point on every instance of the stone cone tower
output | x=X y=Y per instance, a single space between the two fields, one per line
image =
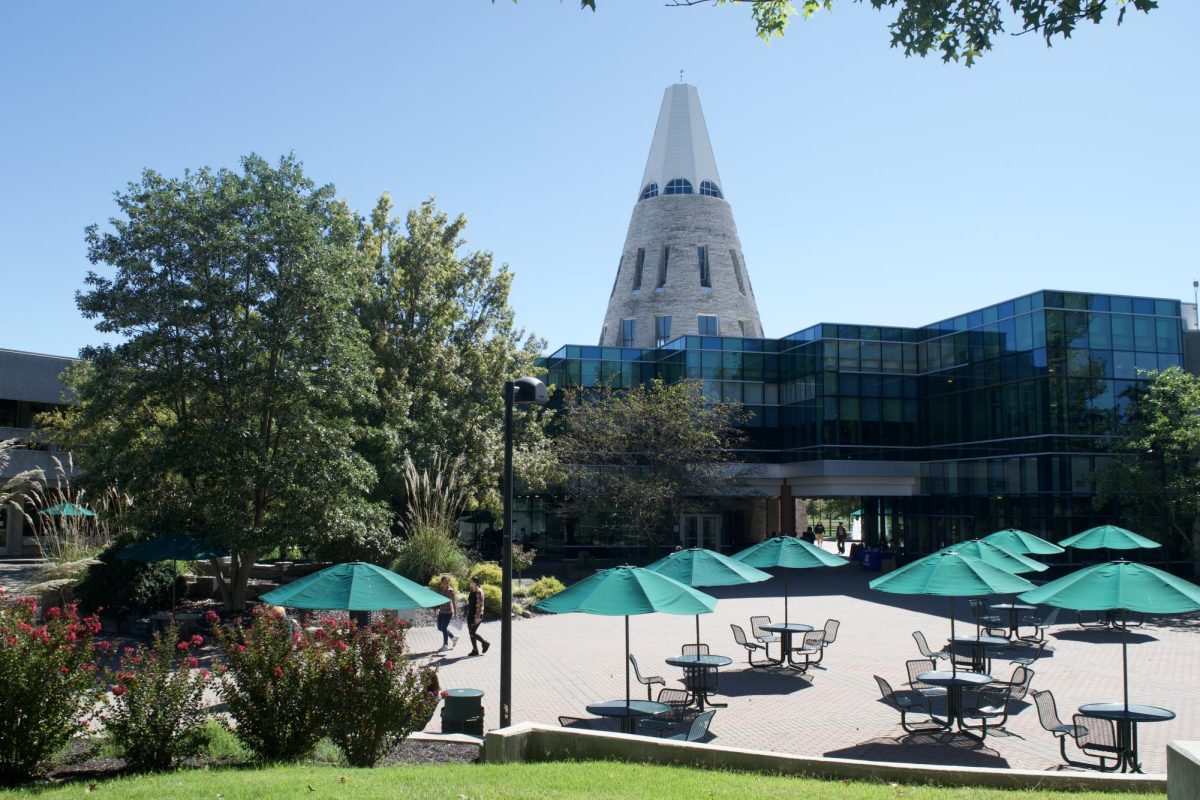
x=681 y=269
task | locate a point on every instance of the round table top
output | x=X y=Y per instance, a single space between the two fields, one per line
x=949 y=679
x=700 y=661
x=1011 y=606
x=785 y=627
x=986 y=641
x=628 y=708
x=463 y=693
x=1135 y=713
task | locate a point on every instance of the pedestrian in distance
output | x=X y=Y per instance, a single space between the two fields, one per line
x=840 y=538
x=446 y=612
x=475 y=617
x=819 y=532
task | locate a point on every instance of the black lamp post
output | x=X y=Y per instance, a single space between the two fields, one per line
x=525 y=391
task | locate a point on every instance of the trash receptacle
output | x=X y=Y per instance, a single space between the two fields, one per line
x=462 y=711
x=856 y=551
x=871 y=560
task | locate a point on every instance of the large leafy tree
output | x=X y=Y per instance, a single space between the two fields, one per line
x=1155 y=474
x=444 y=340
x=957 y=29
x=642 y=454
x=226 y=408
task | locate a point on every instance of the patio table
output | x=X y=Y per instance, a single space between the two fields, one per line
x=980 y=661
x=954 y=683
x=1127 y=720
x=1014 y=614
x=628 y=711
x=695 y=669
x=786 y=630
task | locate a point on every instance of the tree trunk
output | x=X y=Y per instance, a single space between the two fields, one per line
x=233 y=588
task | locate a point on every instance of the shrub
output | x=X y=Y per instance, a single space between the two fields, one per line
x=522 y=558
x=273 y=686
x=156 y=706
x=389 y=696
x=545 y=586
x=427 y=552
x=121 y=586
x=492 y=598
x=489 y=573
x=47 y=683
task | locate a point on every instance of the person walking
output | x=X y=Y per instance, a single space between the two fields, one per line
x=475 y=617
x=446 y=612
x=820 y=534
x=840 y=538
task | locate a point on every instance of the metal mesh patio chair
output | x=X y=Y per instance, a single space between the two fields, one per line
x=1027 y=660
x=695 y=650
x=1019 y=682
x=810 y=645
x=766 y=637
x=648 y=681
x=905 y=702
x=679 y=701
x=1087 y=730
x=990 y=706
x=586 y=723
x=697 y=730
x=990 y=624
x=1041 y=625
x=915 y=667
x=926 y=651
x=739 y=636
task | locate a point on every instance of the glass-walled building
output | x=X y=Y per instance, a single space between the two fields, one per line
x=990 y=419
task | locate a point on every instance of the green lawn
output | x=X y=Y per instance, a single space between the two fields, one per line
x=558 y=780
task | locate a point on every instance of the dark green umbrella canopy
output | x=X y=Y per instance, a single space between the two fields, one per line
x=1016 y=541
x=171 y=547
x=1110 y=537
x=67 y=510
x=788 y=552
x=949 y=573
x=1119 y=585
x=355 y=586
x=699 y=567
x=997 y=556
x=624 y=591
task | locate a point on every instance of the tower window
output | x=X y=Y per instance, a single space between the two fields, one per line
x=637 y=268
x=705 y=279
x=678 y=186
x=662 y=330
x=628 y=328
x=737 y=271
x=662 y=268
x=710 y=189
x=707 y=323
x=650 y=190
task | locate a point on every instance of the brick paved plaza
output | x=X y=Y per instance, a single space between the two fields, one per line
x=564 y=662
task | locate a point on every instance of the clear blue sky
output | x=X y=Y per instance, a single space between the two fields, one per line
x=867 y=187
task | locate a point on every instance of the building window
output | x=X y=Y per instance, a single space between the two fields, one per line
x=737 y=271
x=637 y=268
x=662 y=331
x=678 y=186
x=651 y=190
x=628 y=327
x=662 y=268
x=710 y=189
x=705 y=279
x=707 y=323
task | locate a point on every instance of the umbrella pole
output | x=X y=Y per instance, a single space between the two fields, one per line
x=697 y=633
x=1125 y=658
x=953 y=660
x=627 y=660
x=174 y=575
x=785 y=597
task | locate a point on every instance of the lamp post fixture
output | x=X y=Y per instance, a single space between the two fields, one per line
x=524 y=391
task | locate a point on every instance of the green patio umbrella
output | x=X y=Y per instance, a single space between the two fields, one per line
x=1109 y=537
x=698 y=568
x=354 y=586
x=173 y=547
x=788 y=553
x=624 y=592
x=1119 y=586
x=948 y=573
x=997 y=556
x=67 y=510
x=1023 y=543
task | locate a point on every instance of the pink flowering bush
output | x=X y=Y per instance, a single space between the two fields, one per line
x=374 y=698
x=47 y=682
x=156 y=706
x=273 y=686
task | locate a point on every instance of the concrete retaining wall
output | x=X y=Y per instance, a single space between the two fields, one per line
x=533 y=742
x=1183 y=770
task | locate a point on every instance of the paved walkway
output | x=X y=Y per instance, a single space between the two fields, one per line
x=15 y=577
x=564 y=662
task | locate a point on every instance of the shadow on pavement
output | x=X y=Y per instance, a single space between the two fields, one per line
x=1102 y=636
x=939 y=748
x=754 y=682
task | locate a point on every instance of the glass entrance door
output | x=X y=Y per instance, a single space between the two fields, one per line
x=700 y=530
